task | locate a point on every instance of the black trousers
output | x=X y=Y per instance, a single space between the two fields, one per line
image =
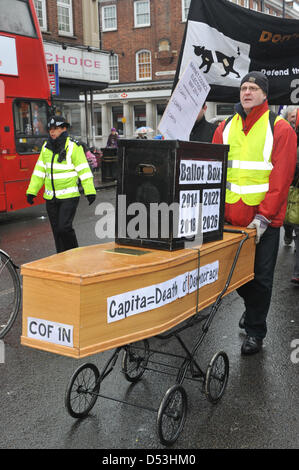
x=61 y=213
x=257 y=293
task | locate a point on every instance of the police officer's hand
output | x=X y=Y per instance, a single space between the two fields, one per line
x=91 y=198
x=260 y=223
x=30 y=199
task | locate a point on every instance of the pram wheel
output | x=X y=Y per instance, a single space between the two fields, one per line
x=217 y=377
x=135 y=360
x=172 y=414
x=82 y=391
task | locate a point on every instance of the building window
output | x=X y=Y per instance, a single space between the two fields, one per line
x=144 y=65
x=224 y=109
x=40 y=8
x=185 y=9
x=65 y=17
x=113 y=67
x=246 y=3
x=142 y=13
x=267 y=10
x=117 y=116
x=98 y=120
x=160 y=111
x=255 y=6
x=139 y=116
x=109 y=18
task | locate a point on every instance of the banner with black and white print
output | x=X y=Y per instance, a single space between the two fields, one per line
x=227 y=41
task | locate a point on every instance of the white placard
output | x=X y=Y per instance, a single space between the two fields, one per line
x=8 y=56
x=185 y=104
x=207 y=275
x=210 y=209
x=148 y=298
x=52 y=332
x=200 y=172
x=189 y=210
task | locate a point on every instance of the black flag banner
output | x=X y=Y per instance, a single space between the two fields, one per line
x=227 y=41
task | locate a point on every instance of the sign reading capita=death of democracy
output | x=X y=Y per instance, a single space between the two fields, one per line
x=121 y=306
x=185 y=104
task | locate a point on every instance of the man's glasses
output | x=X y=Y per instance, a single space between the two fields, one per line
x=252 y=89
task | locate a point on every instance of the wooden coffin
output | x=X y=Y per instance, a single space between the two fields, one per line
x=98 y=297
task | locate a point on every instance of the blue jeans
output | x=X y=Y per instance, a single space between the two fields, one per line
x=257 y=293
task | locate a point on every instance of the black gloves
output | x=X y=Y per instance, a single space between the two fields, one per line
x=91 y=198
x=30 y=198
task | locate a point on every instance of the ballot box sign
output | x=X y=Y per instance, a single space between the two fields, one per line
x=189 y=213
x=52 y=332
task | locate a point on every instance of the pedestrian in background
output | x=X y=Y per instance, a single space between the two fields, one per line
x=295 y=277
x=290 y=114
x=61 y=162
x=112 y=141
x=203 y=130
x=260 y=171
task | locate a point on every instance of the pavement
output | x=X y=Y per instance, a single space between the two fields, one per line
x=100 y=184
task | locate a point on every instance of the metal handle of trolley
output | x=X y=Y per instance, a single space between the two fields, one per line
x=10 y=293
x=85 y=384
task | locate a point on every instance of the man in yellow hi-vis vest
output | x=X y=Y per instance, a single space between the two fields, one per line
x=261 y=165
x=61 y=162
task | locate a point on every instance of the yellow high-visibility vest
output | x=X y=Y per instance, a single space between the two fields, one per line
x=61 y=178
x=249 y=160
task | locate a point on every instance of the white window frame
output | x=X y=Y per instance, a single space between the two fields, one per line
x=185 y=9
x=138 y=77
x=104 y=18
x=43 y=20
x=255 y=5
x=246 y=4
x=69 y=7
x=148 y=23
x=113 y=68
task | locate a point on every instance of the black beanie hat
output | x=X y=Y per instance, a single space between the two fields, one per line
x=257 y=77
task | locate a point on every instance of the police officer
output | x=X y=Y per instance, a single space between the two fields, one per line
x=61 y=162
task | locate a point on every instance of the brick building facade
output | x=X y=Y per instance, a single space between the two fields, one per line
x=144 y=38
x=70 y=30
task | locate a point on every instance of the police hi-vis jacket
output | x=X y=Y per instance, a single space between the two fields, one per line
x=61 y=179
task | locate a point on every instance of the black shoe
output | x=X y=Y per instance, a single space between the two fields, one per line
x=287 y=240
x=242 y=321
x=251 y=345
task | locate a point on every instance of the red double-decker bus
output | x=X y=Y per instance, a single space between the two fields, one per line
x=25 y=98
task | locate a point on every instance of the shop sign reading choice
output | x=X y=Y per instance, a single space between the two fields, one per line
x=148 y=298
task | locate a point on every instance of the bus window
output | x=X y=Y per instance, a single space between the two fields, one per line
x=16 y=18
x=30 y=125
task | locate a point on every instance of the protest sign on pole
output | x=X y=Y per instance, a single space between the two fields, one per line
x=185 y=104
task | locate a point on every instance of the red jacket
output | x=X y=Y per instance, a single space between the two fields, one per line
x=284 y=157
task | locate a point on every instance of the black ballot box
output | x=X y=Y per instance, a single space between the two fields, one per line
x=168 y=190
